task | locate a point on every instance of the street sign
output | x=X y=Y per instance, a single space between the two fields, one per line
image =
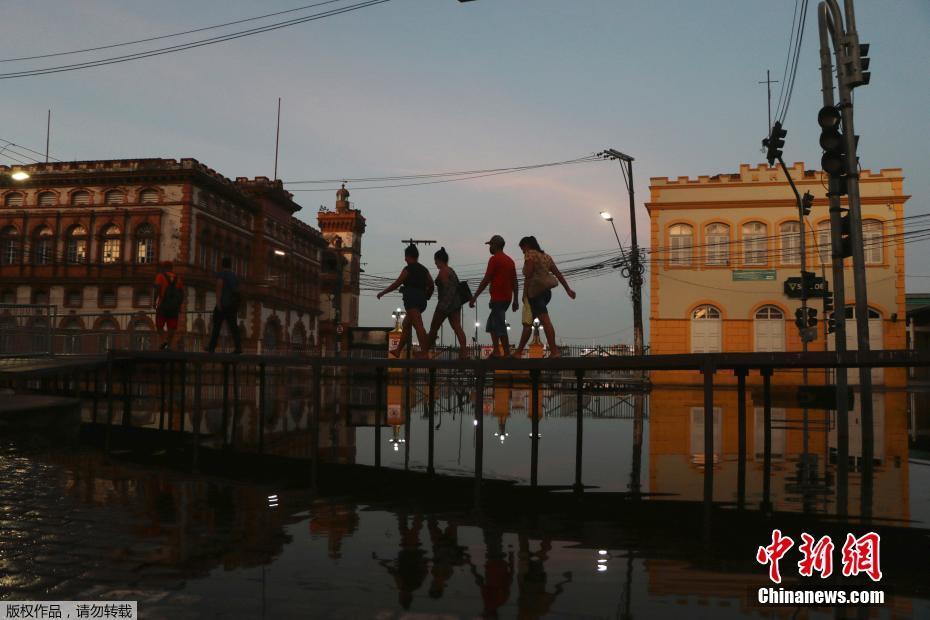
x=821 y=397
x=817 y=288
x=753 y=274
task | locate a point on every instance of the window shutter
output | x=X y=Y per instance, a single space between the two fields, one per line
x=14 y=200
x=80 y=198
x=47 y=199
x=148 y=196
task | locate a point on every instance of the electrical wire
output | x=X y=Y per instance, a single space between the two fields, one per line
x=20 y=146
x=190 y=45
x=797 y=55
x=784 y=77
x=167 y=36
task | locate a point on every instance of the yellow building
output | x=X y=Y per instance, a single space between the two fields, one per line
x=724 y=245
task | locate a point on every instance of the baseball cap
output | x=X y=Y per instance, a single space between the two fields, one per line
x=495 y=240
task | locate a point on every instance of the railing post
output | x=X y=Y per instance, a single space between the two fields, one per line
x=534 y=426
x=766 y=438
x=161 y=396
x=315 y=423
x=579 y=426
x=408 y=411
x=225 y=402
x=171 y=407
x=708 y=371
x=479 y=431
x=379 y=389
x=741 y=436
x=261 y=408
x=96 y=396
x=235 y=411
x=127 y=394
x=431 y=408
x=109 y=400
x=197 y=416
x=182 y=409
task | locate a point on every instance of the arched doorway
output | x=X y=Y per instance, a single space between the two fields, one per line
x=769 y=329
x=705 y=330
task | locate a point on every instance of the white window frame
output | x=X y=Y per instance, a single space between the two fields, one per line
x=717 y=242
x=755 y=244
x=680 y=244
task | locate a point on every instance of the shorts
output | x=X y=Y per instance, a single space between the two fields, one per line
x=414 y=299
x=538 y=304
x=497 y=320
x=170 y=321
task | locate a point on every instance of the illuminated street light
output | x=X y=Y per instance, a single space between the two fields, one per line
x=279 y=252
x=19 y=175
x=607 y=216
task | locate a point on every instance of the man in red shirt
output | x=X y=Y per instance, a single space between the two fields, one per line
x=169 y=295
x=501 y=274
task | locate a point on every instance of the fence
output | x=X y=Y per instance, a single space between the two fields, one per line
x=26 y=329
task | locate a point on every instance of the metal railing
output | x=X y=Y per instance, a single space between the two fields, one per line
x=26 y=329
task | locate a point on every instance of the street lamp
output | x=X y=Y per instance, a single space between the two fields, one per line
x=19 y=175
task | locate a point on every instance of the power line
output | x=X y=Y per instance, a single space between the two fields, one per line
x=168 y=36
x=190 y=45
x=784 y=77
x=797 y=55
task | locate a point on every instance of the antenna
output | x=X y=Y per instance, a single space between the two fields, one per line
x=277 y=140
x=413 y=241
x=48 y=133
x=768 y=86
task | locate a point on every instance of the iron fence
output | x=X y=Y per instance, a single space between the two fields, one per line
x=26 y=329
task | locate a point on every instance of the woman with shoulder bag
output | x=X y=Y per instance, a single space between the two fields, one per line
x=541 y=276
x=449 y=303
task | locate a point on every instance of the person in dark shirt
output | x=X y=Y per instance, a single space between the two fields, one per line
x=227 y=306
x=417 y=288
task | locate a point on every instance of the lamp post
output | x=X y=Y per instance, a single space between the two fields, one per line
x=634 y=268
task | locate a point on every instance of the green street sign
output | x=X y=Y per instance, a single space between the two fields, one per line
x=746 y=275
x=817 y=287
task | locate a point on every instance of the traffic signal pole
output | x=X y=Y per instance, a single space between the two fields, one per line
x=838 y=269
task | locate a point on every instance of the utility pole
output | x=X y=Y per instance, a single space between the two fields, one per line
x=851 y=65
x=635 y=267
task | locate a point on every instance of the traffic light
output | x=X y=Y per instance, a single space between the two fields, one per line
x=831 y=323
x=827 y=305
x=774 y=143
x=811 y=317
x=799 y=319
x=845 y=240
x=807 y=201
x=832 y=141
x=857 y=64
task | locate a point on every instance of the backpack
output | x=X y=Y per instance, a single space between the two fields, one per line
x=171 y=301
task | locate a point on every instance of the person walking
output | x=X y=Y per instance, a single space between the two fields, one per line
x=541 y=275
x=417 y=289
x=169 y=296
x=501 y=274
x=449 y=303
x=228 y=299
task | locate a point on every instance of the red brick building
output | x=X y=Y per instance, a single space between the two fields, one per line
x=86 y=238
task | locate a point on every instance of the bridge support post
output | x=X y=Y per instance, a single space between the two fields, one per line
x=379 y=389
x=708 y=371
x=225 y=403
x=479 y=432
x=534 y=426
x=579 y=427
x=262 y=398
x=315 y=424
x=741 y=437
x=766 y=439
x=431 y=407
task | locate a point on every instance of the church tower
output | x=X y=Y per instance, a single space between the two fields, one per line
x=342 y=229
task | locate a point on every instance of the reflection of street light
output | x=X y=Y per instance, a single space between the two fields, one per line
x=279 y=252
x=398 y=316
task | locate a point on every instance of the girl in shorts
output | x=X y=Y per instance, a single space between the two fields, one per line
x=417 y=288
x=541 y=276
x=449 y=304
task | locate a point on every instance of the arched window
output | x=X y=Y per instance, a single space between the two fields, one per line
x=717 y=238
x=141 y=335
x=270 y=336
x=114 y=197
x=106 y=330
x=705 y=330
x=80 y=198
x=9 y=246
x=43 y=246
x=14 y=199
x=872 y=242
x=754 y=245
x=77 y=245
x=71 y=335
x=824 y=245
x=298 y=337
x=145 y=244
x=681 y=240
x=47 y=199
x=148 y=196
x=769 y=327
x=40 y=297
x=112 y=244
x=790 y=239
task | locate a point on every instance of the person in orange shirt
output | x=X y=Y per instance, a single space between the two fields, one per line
x=168 y=299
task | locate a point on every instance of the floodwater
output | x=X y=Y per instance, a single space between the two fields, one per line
x=78 y=525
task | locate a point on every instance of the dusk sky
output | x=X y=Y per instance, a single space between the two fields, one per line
x=419 y=86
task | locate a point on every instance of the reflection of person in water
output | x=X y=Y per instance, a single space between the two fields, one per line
x=410 y=568
x=533 y=599
x=447 y=555
x=335 y=521
x=498 y=573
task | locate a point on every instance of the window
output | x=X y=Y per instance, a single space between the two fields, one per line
x=717 y=238
x=705 y=330
x=44 y=246
x=47 y=199
x=112 y=242
x=80 y=198
x=145 y=244
x=8 y=296
x=697 y=434
x=144 y=298
x=681 y=237
x=141 y=336
x=824 y=245
x=9 y=246
x=71 y=337
x=107 y=298
x=40 y=297
x=779 y=425
x=790 y=236
x=754 y=243
x=769 y=326
x=107 y=329
x=77 y=245
x=14 y=199
x=114 y=197
x=73 y=298
x=148 y=196
x=872 y=242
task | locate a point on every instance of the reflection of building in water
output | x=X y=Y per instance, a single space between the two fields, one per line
x=334 y=520
x=727 y=244
x=676 y=450
x=918 y=339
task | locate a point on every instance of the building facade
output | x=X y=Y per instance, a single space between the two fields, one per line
x=724 y=245
x=86 y=238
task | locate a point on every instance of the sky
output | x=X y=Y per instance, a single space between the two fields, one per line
x=417 y=86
